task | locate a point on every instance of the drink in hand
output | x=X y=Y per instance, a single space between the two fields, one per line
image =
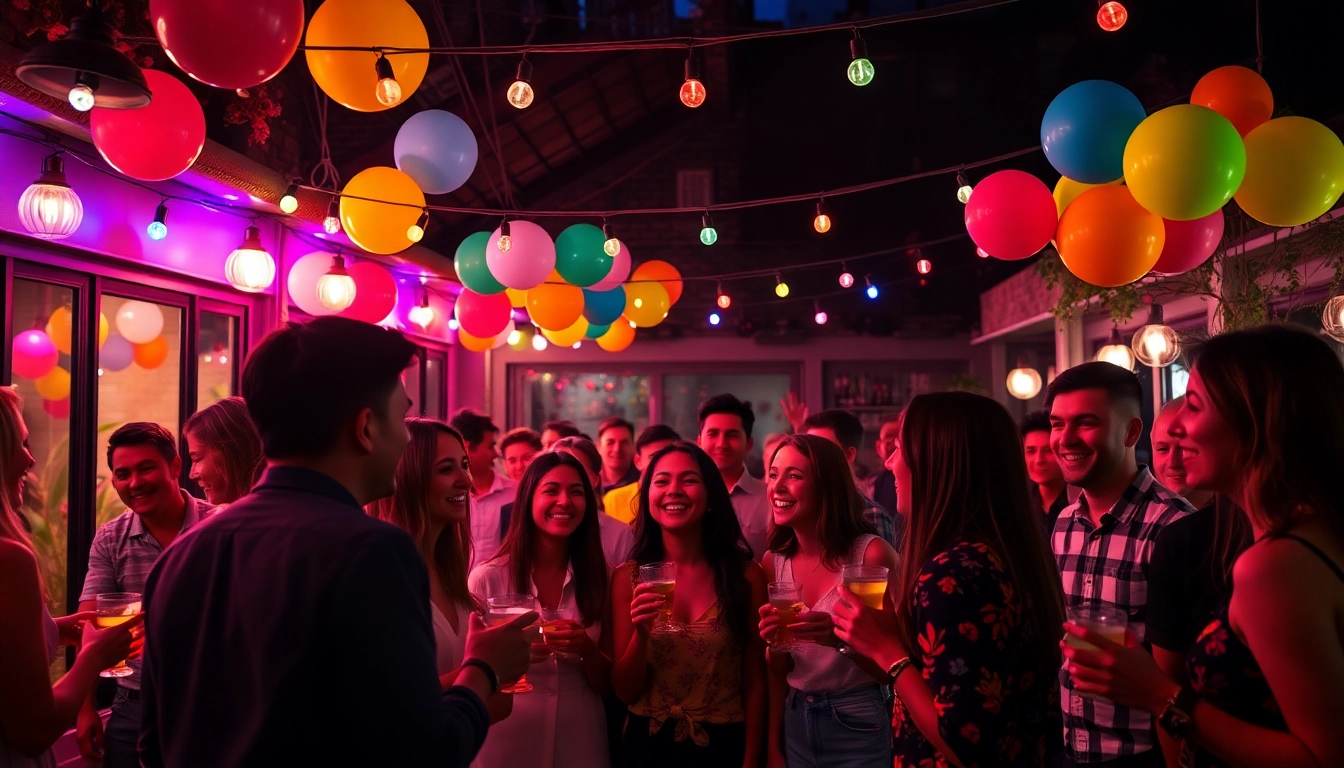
x=557 y=620
x=1106 y=620
x=787 y=600
x=501 y=610
x=868 y=583
x=113 y=609
x=663 y=578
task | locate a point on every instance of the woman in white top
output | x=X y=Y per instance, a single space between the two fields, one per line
x=553 y=552
x=826 y=710
x=618 y=538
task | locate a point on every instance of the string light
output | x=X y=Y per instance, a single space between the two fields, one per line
x=453 y=326
x=963 y=188
x=860 y=70
x=1111 y=16
x=612 y=246
x=781 y=287
x=388 y=89
x=289 y=202
x=692 y=90
x=822 y=222
x=158 y=228
x=332 y=223
x=846 y=279
x=982 y=253
x=422 y=314
x=1116 y=351
x=820 y=316
x=871 y=290
x=520 y=93
x=724 y=300
x=714 y=318
x=538 y=342
x=1156 y=344
x=708 y=235
x=336 y=289
x=1024 y=382
x=505 y=242
x=416 y=232
x=250 y=268
x=515 y=337
x=924 y=266
x=49 y=208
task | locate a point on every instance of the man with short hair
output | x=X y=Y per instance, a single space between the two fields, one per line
x=295 y=629
x=1051 y=496
x=884 y=485
x=725 y=434
x=1103 y=542
x=557 y=430
x=519 y=447
x=616 y=443
x=845 y=430
x=623 y=503
x=145 y=468
x=490 y=490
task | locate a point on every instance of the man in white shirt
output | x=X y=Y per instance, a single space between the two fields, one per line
x=490 y=490
x=725 y=434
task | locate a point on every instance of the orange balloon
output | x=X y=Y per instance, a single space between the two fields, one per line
x=474 y=343
x=555 y=306
x=1107 y=239
x=619 y=336
x=569 y=336
x=1237 y=93
x=152 y=353
x=517 y=298
x=662 y=272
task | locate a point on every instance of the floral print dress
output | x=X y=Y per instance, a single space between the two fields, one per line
x=992 y=678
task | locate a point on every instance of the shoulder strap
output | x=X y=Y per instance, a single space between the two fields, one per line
x=860 y=547
x=1331 y=563
x=633 y=568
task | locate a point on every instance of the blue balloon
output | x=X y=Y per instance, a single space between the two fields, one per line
x=603 y=307
x=597 y=331
x=1085 y=129
x=437 y=150
x=117 y=353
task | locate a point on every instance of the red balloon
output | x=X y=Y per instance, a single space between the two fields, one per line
x=57 y=409
x=1012 y=215
x=1189 y=243
x=484 y=317
x=375 y=293
x=156 y=142
x=226 y=43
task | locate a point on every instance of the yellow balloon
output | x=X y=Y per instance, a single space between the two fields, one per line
x=380 y=227
x=646 y=303
x=569 y=336
x=474 y=343
x=60 y=325
x=619 y=336
x=1184 y=162
x=348 y=77
x=1067 y=189
x=1294 y=172
x=517 y=298
x=55 y=385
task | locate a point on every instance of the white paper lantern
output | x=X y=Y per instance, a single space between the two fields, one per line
x=49 y=208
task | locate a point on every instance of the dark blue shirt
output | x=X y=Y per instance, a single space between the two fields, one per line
x=293 y=629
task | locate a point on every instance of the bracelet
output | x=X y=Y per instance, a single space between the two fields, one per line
x=489 y=672
x=895 y=670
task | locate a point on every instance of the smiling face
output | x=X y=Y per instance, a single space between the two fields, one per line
x=1206 y=442
x=677 y=495
x=558 y=503
x=449 y=482
x=1091 y=437
x=1041 y=465
x=617 y=447
x=145 y=480
x=516 y=458
x=18 y=469
x=1168 y=458
x=904 y=479
x=726 y=442
x=483 y=454
x=792 y=485
x=207 y=470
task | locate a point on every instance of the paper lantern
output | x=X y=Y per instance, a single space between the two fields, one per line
x=250 y=268
x=49 y=208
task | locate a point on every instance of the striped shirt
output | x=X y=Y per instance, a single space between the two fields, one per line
x=123 y=554
x=1108 y=564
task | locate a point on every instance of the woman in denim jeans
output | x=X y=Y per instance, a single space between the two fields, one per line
x=827 y=710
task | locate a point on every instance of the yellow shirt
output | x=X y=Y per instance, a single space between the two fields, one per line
x=623 y=503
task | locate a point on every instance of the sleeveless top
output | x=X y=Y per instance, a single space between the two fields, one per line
x=51 y=634
x=449 y=646
x=1223 y=671
x=819 y=668
x=695 y=677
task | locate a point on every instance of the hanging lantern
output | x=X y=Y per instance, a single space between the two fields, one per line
x=49 y=208
x=1116 y=352
x=422 y=314
x=1024 y=382
x=1332 y=319
x=1156 y=344
x=336 y=289
x=85 y=67
x=250 y=268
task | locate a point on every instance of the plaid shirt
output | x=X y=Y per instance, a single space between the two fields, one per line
x=1109 y=565
x=882 y=521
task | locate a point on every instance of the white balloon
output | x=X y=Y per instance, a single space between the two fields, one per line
x=139 y=321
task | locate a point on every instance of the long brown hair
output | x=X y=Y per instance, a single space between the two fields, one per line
x=226 y=428
x=12 y=526
x=407 y=508
x=840 y=519
x=968 y=480
x=1278 y=388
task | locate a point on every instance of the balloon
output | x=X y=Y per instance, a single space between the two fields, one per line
x=1294 y=172
x=55 y=385
x=517 y=298
x=619 y=336
x=1011 y=215
x=620 y=270
x=1184 y=162
x=1105 y=238
x=380 y=227
x=579 y=255
x=1067 y=189
x=375 y=292
x=154 y=142
x=1189 y=243
x=117 y=354
x=482 y=316
x=348 y=77
x=528 y=261
x=474 y=343
x=555 y=306
x=34 y=355
x=569 y=336
x=57 y=409
x=596 y=331
x=225 y=43
x=603 y=307
x=469 y=263
x=60 y=326
x=1237 y=93
x=646 y=303
x=1085 y=129
x=664 y=273
x=139 y=321
x=151 y=354
x=437 y=149
x=302 y=282
x=503 y=337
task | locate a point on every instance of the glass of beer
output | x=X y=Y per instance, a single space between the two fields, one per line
x=1106 y=620
x=501 y=610
x=787 y=600
x=558 y=619
x=115 y=608
x=868 y=582
x=663 y=577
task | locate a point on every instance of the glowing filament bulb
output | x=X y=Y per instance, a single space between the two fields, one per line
x=515 y=337
x=692 y=90
x=724 y=301
x=289 y=202
x=505 y=242
x=423 y=314
x=708 y=235
x=81 y=98
x=846 y=279
x=1112 y=16
x=416 y=232
x=538 y=342
x=781 y=287
x=822 y=222
x=612 y=246
x=821 y=317
x=520 y=93
x=964 y=188
x=336 y=289
x=871 y=290
x=388 y=90
x=332 y=223
x=860 y=70
x=924 y=266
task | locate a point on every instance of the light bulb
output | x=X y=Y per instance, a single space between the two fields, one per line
x=453 y=324
x=577 y=345
x=822 y=223
x=821 y=317
x=964 y=193
x=388 y=90
x=1112 y=16
x=714 y=318
x=612 y=246
x=49 y=208
x=515 y=337
x=692 y=93
x=1157 y=344
x=708 y=235
x=336 y=289
x=81 y=98
x=505 y=243
x=331 y=224
x=1332 y=318
x=781 y=287
x=1023 y=382
x=289 y=202
x=521 y=95
x=924 y=266
x=871 y=290
x=1116 y=352
x=846 y=280
x=538 y=342
x=982 y=253
x=724 y=301
x=422 y=315
x=416 y=232
x=860 y=70
x=158 y=228
x=250 y=268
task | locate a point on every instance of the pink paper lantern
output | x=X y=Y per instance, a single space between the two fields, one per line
x=35 y=354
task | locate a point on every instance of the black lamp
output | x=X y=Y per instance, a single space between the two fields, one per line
x=85 y=67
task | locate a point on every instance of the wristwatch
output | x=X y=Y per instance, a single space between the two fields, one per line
x=1179 y=716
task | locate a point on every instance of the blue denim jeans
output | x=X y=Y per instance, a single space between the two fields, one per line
x=122 y=732
x=843 y=729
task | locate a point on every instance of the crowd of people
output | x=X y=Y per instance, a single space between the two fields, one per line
x=359 y=588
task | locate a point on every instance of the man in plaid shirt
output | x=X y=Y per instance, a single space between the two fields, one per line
x=1103 y=541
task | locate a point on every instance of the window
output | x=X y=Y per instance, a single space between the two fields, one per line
x=695 y=188
x=216 y=348
x=583 y=397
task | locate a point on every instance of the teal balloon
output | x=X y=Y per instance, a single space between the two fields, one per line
x=603 y=307
x=471 y=267
x=579 y=257
x=597 y=331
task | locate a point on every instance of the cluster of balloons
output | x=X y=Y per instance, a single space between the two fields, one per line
x=1144 y=193
x=375 y=288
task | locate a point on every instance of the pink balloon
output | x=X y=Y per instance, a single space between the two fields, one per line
x=1012 y=215
x=302 y=282
x=527 y=263
x=1189 y=243
x=620 y=270
x=484 y=317
x=57 y=409
x=35 y=354
x=154 y=142
x=226 y=43
x=375 y=292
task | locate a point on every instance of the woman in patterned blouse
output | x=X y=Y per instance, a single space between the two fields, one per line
x=972 y=642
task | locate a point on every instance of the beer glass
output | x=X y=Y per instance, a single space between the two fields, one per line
x=787 y=600
x=663 y=577
x=115 y=608
x=501 y=610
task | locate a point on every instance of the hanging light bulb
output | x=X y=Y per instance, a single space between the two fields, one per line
x=81 y=95
x=871 y=290
x=714 y=318
x=49 y=208
x=1156 y=344
x=416 y=232
x=388 y=89
x=924 y=266
x=336 y=289
x=520 y=93
x=250 y=268
x=860 y=70
x=781 y=287
x=724 y=300
x=1111 y=16
x=963 y=188
x=515 y=337
x=1024 y=382
x=332 y=223
x=821 y=317
x=692 y=90
x=1116 y=351
x=422 y=314
x=85 y=67
x=453 y=325
x=538 y=341
x=158 y=228
x=982 y=253
x=505 y=242
x=822 y=222
x=708 y=235
x=289 y=202
x=611 y=246
x=846 y=279
x=1332 y=318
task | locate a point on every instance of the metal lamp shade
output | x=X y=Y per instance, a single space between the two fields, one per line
x=86 y=56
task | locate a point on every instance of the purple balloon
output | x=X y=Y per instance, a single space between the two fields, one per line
x=620 y=270
x=117 y=353
x=527 y=263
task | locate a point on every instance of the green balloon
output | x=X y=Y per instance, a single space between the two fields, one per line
x=471 y=267
x=597 y=331
x=579 y=256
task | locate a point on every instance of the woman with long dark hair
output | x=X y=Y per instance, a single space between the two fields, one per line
x=970 y=640
x=617 y=537
x=225 y=450
x=697 y=696
x=553 y=552
x=1263 y=424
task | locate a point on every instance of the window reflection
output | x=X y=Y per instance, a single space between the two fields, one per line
x=215 y=345
x=585 y=398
